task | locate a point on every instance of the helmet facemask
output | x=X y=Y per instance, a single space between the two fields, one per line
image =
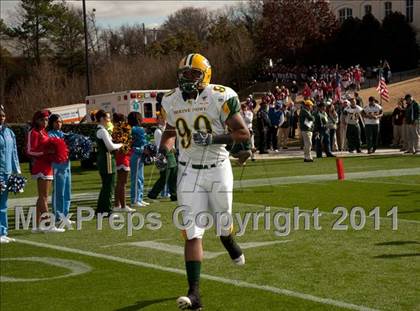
x=190 y=79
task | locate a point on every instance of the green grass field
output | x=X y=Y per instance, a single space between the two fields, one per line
x=311 y=269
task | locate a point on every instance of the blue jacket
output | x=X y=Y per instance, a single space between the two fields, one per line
x=9 y=160
x=274 y=114
x=139 y=139
x=58 y=134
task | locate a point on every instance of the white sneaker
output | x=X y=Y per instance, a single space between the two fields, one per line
x=35 y=230
x=67 y=223
x=52 y=230
x=4 y=239
x=240 y=261
x=140 y=204
x=126 y=209
x=10 y=239
x=145 y=203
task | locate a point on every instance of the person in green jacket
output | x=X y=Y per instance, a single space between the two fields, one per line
x=412 y=118
x=105 y=161
x=168 y=175
x=306 y=122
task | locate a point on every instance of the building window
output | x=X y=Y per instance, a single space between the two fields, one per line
x=344 y=14
x=388 y=8
x=368 y=9
x=409 y=10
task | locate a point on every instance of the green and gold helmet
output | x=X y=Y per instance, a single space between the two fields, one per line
x=194 y=73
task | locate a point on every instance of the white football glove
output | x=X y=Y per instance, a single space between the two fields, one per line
x=202 y=138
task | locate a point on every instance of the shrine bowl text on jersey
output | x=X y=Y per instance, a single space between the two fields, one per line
x=208 y=112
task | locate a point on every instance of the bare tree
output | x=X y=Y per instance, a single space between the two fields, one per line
x=188 y=20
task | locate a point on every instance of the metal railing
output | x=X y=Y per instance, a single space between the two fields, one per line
x=395 y=78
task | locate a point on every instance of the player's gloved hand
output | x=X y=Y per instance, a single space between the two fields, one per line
x=241 y=152
x=202 y=138
x=161 y=162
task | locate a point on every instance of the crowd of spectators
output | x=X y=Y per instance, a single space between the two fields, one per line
x=334 y=76
x=329 y=120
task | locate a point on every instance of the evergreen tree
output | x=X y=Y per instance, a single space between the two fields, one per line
x=399 y=48
x=34 y=21
x=66 y=35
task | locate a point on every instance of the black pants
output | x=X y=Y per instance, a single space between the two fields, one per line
x=272 y=137
x=372 y=133
x=353 y=137
x=167 y=176
x=332 y=133
x=105 y=196
x=262 y=140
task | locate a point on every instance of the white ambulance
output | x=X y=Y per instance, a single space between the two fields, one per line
x=70 y=113
x=146 y=102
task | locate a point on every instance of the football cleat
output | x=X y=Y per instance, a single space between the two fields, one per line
x=190 y=302
x=240 y=261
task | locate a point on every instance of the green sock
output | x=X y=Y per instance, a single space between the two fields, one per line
x=193 y=275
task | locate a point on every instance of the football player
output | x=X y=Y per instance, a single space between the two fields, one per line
x=197 y=114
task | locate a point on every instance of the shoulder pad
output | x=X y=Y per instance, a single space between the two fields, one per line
x=218 y=88
x=170 y=93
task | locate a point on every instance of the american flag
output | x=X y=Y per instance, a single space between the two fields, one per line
x=383 y=89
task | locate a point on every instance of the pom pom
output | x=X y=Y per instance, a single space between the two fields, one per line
x=122 y=135
x=56 y=150
x=16 y=183
x=80 y=146
x=150 y=151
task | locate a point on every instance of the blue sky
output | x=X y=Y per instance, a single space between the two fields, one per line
x=116 y=13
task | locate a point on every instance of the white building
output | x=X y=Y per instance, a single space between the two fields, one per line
x=379 y=8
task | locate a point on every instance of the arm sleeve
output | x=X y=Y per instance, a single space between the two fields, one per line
x=33 y=145
x=229 y=108
x=104 y=135
x=166 y=112
x=15 y=158
x=157 y=135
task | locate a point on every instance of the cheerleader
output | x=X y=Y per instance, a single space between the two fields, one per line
x=41 y=167
x=105 y=161
x=136 y=162
x=61 y=194
x=9 y=163
x=122 y=159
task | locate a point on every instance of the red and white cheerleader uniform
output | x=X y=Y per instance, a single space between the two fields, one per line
x=122 y=160
x=41 y=165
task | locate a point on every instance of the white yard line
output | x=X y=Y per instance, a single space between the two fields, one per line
x=243 y=284
x=289 y=180
x=322 y=212
x=247 y=183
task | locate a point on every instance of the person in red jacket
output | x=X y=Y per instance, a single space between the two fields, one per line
x=41 y=167
x=306 y=93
